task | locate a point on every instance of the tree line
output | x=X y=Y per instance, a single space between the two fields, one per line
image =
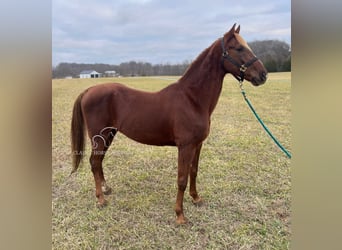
x=275 y=54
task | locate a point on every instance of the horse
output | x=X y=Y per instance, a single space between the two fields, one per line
x=177 y=115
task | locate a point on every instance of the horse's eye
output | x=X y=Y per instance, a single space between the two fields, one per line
x=239 y=49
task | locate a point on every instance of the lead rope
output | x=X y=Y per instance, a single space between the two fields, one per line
x=261 y=122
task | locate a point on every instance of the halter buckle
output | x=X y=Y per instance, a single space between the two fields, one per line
x=243 y=68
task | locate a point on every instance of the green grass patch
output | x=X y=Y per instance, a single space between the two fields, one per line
x=243 y=177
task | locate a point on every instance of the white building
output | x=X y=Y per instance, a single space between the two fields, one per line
x=89 y=74
x=111 y=73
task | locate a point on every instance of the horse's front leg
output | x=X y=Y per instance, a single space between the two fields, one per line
x=193 y=174
x=185 y=158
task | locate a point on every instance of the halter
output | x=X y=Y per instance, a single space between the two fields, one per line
x=242 y=67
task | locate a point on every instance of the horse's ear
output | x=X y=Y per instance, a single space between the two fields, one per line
x=232 y=30
x=237 y=30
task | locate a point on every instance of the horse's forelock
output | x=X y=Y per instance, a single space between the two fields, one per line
x=241 y=41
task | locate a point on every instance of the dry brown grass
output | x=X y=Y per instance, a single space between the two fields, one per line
x=244 y=179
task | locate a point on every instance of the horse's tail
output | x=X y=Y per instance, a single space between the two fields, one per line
x=77 y=133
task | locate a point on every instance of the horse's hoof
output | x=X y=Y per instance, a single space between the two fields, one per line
x=102 y=204
x=106 y=190
x=181 y=220
x=198 y=202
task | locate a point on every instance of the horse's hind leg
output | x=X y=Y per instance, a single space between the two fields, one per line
x=109 y=134
x=100 y=144
x=96 y=168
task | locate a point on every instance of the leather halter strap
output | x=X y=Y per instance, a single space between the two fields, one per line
x=242 y=67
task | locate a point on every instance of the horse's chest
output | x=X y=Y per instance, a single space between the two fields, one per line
x=195 y=130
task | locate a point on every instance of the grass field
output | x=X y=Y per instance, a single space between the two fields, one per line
x=243 y=177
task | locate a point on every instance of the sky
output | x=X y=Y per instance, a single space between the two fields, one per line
x=158 y=31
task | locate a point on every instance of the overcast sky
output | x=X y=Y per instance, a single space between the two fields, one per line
x=158 y=31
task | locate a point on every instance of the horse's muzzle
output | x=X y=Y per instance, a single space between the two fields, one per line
x=260 y=80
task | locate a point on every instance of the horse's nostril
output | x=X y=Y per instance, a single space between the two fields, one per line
x=263 y=75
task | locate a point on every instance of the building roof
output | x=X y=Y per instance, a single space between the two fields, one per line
x=88 y=72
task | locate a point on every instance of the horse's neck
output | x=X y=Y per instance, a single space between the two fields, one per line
x=203 y=79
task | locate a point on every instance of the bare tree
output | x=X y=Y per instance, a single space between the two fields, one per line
x=275 y=54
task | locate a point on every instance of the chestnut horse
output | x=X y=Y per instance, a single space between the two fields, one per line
x=178 y=115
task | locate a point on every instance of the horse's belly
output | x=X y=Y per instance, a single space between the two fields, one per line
x=152 y=134
x=146 y=138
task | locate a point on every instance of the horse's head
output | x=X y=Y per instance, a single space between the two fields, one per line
x=239 y=59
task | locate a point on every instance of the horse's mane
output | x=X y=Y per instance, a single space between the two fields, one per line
x=196 y=64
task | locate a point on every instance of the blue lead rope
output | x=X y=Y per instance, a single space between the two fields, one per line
x=262 y=123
